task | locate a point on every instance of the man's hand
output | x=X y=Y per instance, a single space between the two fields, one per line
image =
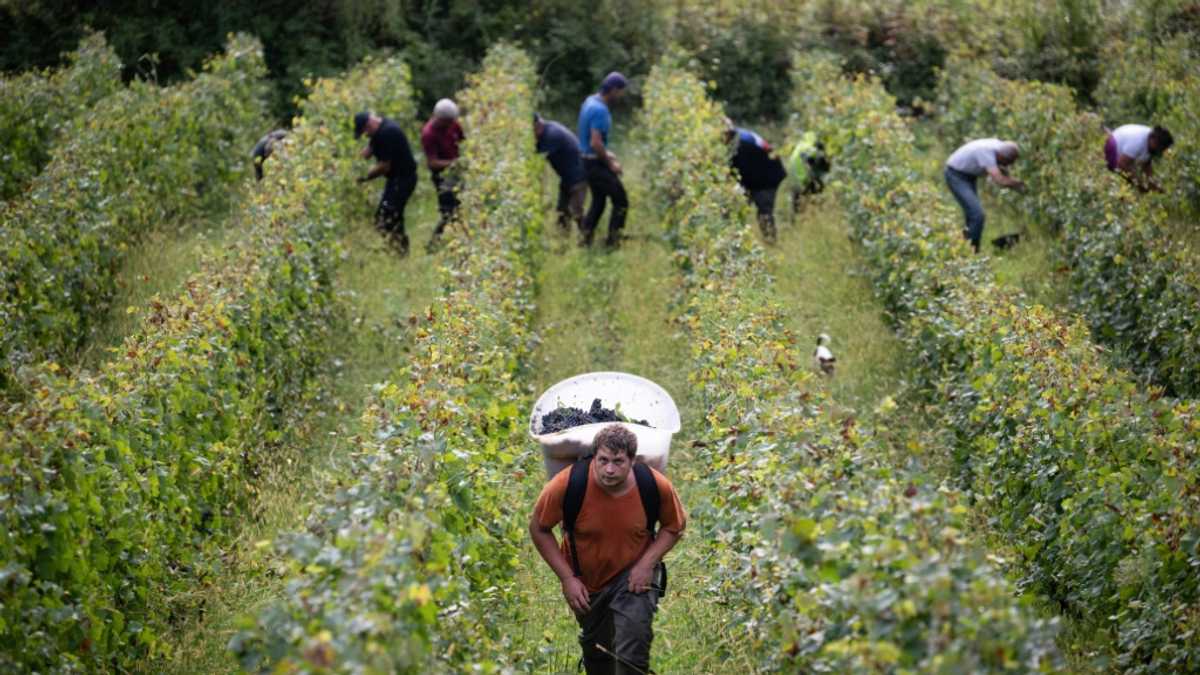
x=641 y=577
x=576 y=594
x=361 y=179
x=615 y=166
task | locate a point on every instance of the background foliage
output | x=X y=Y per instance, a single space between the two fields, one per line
x=743 y=47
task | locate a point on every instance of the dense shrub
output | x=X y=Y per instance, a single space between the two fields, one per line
x=829 y=558
x=903 y=43
x=405 y=565
x=35 y=107
x=1093 y=482
x=141 y=155
x=116 y=488
x=1132 y=275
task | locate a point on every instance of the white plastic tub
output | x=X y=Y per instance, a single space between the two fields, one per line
x=638 y=399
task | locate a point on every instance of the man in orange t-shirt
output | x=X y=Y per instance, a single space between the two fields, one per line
x=616 y=593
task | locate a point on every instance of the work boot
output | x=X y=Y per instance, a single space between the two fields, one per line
x=399 y=243
x=767 y=223
x=613 y=240
x=435 y=243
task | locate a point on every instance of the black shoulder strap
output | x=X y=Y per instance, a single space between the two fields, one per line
x=648 y=490
x=573 y=502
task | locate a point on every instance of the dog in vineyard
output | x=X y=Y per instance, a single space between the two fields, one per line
x=823 y=359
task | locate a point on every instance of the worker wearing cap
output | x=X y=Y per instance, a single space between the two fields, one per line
x=440 y=138
x=601 y=167
x=561 y=148
x=394 y=159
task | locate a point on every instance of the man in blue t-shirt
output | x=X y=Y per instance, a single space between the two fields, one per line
x=601 y=167
x=561 y=148
x=394 y=159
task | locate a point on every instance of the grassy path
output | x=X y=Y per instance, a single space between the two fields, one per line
x=378 y=292
x=609 y=311
x=822 y=283
x=159 y=266
x=603 y=310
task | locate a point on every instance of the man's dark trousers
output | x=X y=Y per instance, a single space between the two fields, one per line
x=605 y=185
x=447 y=197
x=621 y=621
x=389 y=217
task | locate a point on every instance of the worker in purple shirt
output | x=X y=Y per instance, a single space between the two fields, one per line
x=601 y=167
x=561 y=148
x=1131 y=149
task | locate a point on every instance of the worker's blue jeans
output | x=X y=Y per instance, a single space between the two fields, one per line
x=962 y=186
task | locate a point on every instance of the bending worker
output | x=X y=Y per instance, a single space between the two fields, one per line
x=990 y=156
x=759 y=172
x=561 y=148
x=610 y=560
x=1131 y=149
x=394 y=159
x=264 y=148
x=439 y=139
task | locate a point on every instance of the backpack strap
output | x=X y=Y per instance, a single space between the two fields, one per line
x=573 y=503
x=652 y=503
x=648 y=490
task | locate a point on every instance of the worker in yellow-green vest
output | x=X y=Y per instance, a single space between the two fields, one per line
x=807 y=166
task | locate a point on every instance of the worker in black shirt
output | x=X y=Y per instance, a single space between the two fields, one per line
x=759 y=172
x=394 y=159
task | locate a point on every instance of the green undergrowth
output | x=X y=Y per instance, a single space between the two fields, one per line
x=156 y=269
x=380 y=296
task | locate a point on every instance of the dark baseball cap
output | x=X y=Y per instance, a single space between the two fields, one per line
x=613 y=80
x=360 y=123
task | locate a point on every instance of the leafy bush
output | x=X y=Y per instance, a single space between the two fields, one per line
x=116 y=488
x=35 y=107
x=830 y=559
x=138 y=157
x=901 y=42
x=1092 y=481
x=1131 y=274
x=404 y=566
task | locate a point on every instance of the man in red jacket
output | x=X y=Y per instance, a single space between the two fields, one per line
x=440 y=138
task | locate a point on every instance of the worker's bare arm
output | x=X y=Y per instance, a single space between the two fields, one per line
x=573 y=589
x=642 y=573
x=596 y=142
x=380 y=169
x=999 y=177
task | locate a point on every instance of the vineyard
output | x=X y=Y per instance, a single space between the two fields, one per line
x=243 y=434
